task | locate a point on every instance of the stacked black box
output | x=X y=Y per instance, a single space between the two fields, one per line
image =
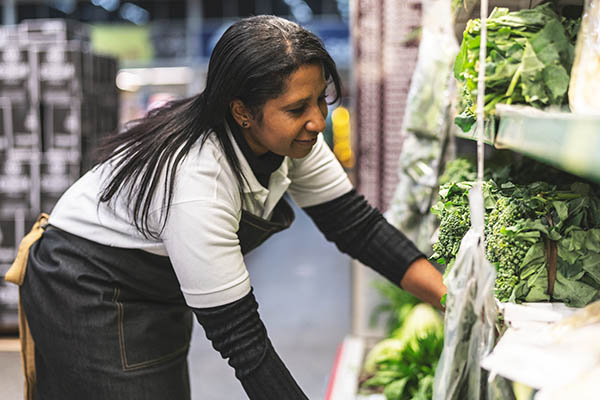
x=57 y=99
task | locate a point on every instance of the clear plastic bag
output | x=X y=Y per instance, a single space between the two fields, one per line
x=425 y=126
x=584 y=84
x=470 y=315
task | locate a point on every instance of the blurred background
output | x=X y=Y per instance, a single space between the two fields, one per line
x=74 y=71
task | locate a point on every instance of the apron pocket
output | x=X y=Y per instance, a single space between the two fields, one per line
x=151 y=333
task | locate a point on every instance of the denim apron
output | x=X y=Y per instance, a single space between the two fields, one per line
x=112 y=323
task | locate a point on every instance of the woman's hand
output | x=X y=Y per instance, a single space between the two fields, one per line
x=425 y=282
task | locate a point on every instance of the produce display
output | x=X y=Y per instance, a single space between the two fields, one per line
x=403 y=365
x=529 y=58
x=542 y=225
x=542 y=237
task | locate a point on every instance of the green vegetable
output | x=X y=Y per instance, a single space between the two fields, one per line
x=409 y=373
x=529 y=54
x=397 y=306
x=421 y=320
x=523 y=221
x=383 y=350
x=404 y=365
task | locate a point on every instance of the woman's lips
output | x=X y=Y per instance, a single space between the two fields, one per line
x=308 y=142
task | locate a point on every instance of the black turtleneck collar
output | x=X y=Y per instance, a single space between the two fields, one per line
x=262 y=166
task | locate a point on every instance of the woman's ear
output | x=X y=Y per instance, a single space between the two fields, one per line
x=240 y=113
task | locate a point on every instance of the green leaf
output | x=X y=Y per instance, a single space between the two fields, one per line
x=557 y=80
x=538 y=286
x=498 y=12
x=538 y=16
x=570 y=271
x=592 y=240
x=562 y=210
x=591 y=265
x=461 y=61
x=520 y=292
x=581 y=188
x=382 y=378
x=566 y=250
x=535 y=254
x=465 y=120
x=550 y=41
x=395 y=390
x=425 y=389
x=578 y=239
x=573 y=292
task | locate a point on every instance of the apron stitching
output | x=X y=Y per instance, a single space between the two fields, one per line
x=124 y=363
x=120 y=328
x=158 y=360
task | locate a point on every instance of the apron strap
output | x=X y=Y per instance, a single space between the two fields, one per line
x=16 y=272
x=16 y=275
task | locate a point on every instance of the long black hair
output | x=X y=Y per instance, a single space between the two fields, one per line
x=250 y=62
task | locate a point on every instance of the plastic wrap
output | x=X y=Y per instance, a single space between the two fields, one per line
x=470 y=316
x=550 y=347
x=425 y=126
x=584 y=85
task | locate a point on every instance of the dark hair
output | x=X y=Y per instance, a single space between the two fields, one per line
x=250 y=62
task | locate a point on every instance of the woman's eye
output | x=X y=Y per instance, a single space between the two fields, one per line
x=298 y=111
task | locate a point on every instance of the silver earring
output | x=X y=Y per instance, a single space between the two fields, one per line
x=244 y=124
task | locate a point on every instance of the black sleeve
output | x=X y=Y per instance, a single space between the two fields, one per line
x=237 y=332
x=362 y=232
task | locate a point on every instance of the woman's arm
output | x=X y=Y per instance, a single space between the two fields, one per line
x=424 y=282
x=362 y=232
x=237 y=332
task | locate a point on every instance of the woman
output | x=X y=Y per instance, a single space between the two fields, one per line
x=157 y=230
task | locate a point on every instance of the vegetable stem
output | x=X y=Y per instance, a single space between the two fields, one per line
x=513 y=82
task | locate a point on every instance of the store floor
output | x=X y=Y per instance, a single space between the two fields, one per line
x=302 y=284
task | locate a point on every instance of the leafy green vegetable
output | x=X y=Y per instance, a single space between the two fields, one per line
x=397 y=305
x=409 y=373
x=524 y=219
x=421 y=320
x=529 y=54
x=403 y=366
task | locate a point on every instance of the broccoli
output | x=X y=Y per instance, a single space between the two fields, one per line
x=453 y=226
x=504 y=248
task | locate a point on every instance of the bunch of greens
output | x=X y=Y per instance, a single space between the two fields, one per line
x=531 y=229
x=458 y=170
x=397 y=305
x=403 y=365
x=529 y=54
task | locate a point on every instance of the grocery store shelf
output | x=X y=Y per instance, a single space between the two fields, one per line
x=488 y=132
x=549 y=347
x=344 y=375
x=565 y=140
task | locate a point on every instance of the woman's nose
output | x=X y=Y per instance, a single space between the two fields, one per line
x=316 y=122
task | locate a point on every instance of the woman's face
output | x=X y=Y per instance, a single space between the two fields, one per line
x=291 y=121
